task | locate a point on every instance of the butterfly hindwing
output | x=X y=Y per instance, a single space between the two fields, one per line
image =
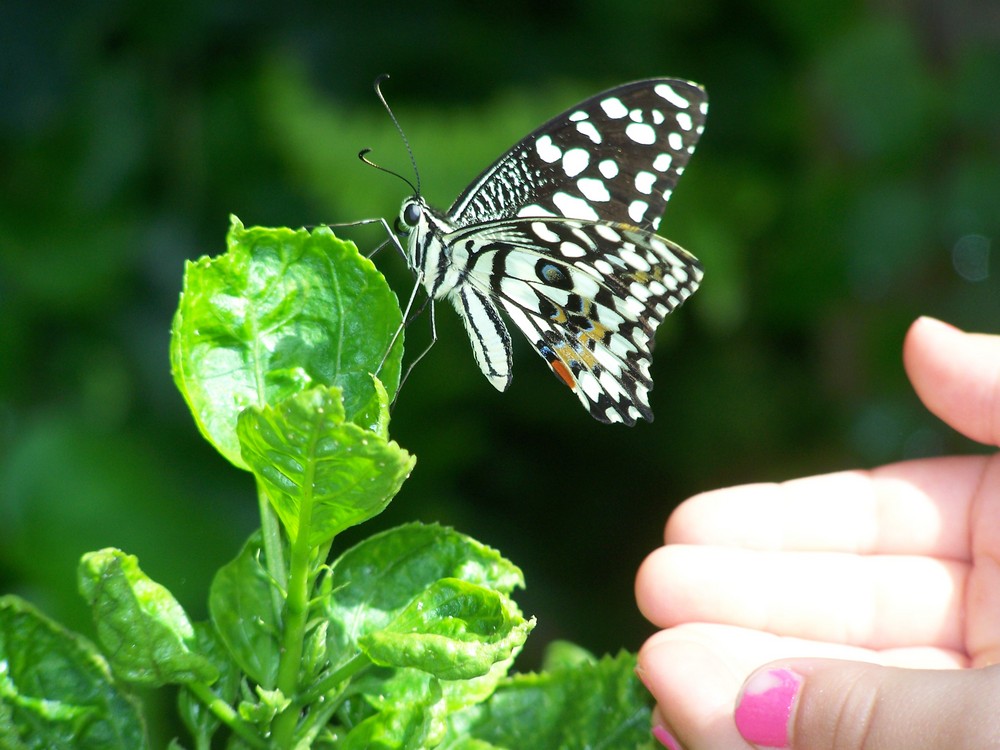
x=614 y=157
x=588 y=296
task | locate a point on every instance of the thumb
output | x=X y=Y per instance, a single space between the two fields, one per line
x=825 y=704
x=957 y=376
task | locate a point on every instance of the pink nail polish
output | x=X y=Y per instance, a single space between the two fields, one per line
x=665 y=738
x=765 y=707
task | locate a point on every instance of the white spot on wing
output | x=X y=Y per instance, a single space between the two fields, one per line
x=668 y=93
x=574 y=208
x=519 y=291
x=608 y=233
x=644 y=182
x=590 y=385
x=604 y=267
x=614 y=108
x=594 y=189
x=633 y=259
x=586 y=127
x=584 y=285
x=575 y=161
x=675 y=141
x=641 y=391
x=640 y=292
x=520 y=266
x=611 y=386
x=684 y=120
x=642 y=133
x=557 y=295
x=533 y=209
x=547 y=150
x=621 y=346
x=657 y=289
x=585 y=239
x=662 y=162
x=571 y=250
x=578 y=115
x=636 y=210
x=543 y=232
x=609 y=168
x=606 y=357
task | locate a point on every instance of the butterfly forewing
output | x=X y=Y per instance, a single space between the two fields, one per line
x=614 y=157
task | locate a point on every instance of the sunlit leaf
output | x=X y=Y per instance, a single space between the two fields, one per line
x=143 y=629
x=281 y=312
x=374 y=580
x=321 y=473
x=599 y=704
x=453 y=630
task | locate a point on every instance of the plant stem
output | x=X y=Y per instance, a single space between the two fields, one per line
x=226 y=714
x=296 y=613
x=274 y=557
x=342 y=674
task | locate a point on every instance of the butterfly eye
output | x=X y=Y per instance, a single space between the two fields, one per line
x=411 y=214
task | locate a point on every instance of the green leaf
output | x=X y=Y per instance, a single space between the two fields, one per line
x=282 y=311
x=453 y=630
x=321 y=473
x=381 y=686
x=241 y=604
x=399 y=724
x=599 y=705
x=374 y=580
x=373 y=414
x=269 y=704
x=56 y=689
x=566 y=655
x=143 y=629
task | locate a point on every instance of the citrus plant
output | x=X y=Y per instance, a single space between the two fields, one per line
x=404 y=640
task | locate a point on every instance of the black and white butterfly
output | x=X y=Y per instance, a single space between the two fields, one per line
x=559 y=236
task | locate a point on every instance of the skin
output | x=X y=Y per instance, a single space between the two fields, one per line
x=880 y=588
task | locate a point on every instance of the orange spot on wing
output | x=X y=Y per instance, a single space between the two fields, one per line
x=562 y=372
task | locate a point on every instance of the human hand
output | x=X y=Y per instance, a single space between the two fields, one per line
x=835 y=583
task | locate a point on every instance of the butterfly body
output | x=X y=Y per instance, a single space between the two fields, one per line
x=559 y=236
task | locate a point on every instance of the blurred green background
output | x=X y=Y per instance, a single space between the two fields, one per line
x=848 y=181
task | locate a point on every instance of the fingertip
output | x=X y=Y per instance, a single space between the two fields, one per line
x=923 y=334
x=956 y=375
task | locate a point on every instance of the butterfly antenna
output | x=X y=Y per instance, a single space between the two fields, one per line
x=363 y=155
x=392 y=116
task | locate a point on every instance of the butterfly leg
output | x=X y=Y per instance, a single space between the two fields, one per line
x=391 y=238
x=422 y=354
x=403 y=323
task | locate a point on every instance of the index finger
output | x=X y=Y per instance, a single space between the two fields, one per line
x=920 y=507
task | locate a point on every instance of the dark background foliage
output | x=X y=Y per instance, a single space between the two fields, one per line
x=848 y=181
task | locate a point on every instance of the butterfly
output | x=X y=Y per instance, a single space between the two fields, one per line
x=559 y=235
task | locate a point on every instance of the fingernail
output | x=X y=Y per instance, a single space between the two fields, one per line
x=665 y=738
x=765 y=707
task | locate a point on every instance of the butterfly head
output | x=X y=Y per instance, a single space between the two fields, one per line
x=424 y=229
x=410 y=215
